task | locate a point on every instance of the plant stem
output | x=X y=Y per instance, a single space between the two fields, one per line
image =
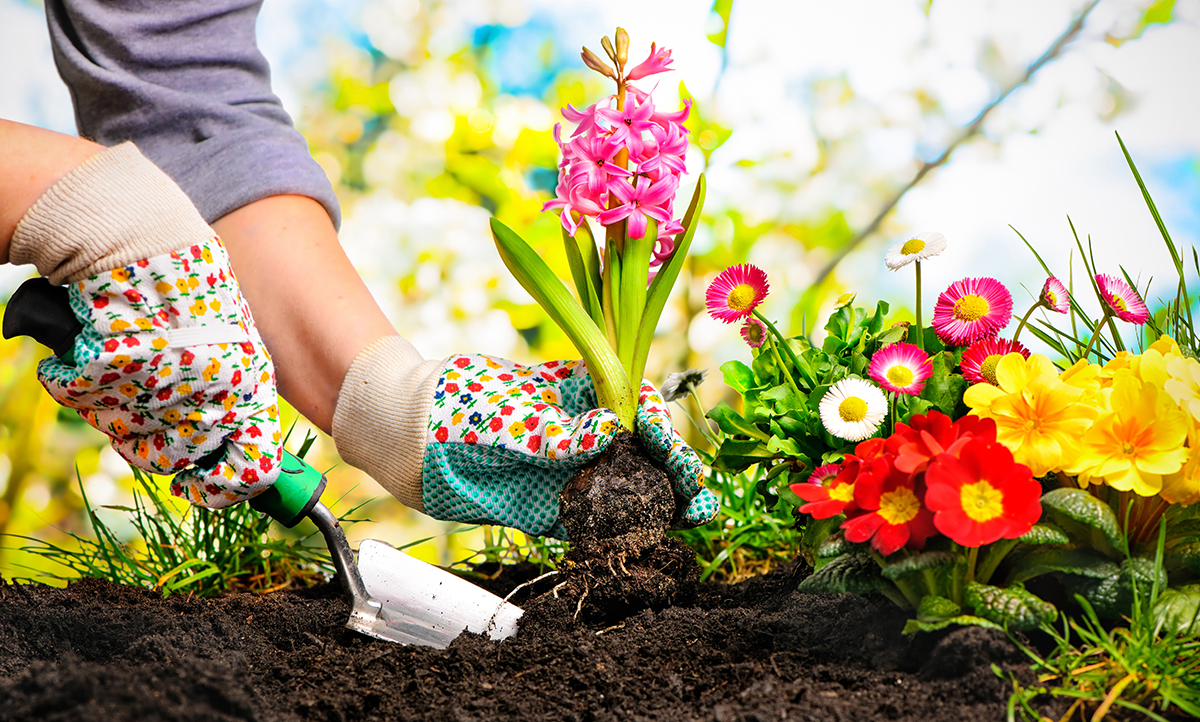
x=782 y=342
x=972 y=559
x=1095 y=332
x=992 y=559
x=1024 y=319
x=778 y=360
x=920 y=340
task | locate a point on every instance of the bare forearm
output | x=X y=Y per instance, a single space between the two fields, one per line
x=31 y=160
x=312 y=308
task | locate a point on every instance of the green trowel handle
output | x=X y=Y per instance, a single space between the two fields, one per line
x=294 y=494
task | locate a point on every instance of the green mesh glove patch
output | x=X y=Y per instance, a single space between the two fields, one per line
x=684 y=468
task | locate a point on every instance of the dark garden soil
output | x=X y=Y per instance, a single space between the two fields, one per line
x=753 y=651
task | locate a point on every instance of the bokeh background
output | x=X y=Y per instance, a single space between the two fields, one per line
x=827 y=132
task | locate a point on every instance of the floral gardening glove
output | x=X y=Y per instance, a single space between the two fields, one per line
x=169 y=363
x=501 y=440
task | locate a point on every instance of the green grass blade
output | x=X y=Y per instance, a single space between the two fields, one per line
x=612 y=385
x=660 y=289
x=1158 y=221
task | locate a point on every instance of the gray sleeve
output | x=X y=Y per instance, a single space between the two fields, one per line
x=185 y=81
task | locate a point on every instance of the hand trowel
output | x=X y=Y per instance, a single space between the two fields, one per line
x=393 y=596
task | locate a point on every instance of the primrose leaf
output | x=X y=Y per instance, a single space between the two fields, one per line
x=856 y=573
x=1087 y=563
x=1080 y=507
x=934 y=608
x=1188 y=555
x=834 y=545
x=1013 y=607
x=916 y=625
x=738 y=376
x=1178 y=610
x=732 y=423
x=1113 y=596
x=917 y=563
x=1044 y=534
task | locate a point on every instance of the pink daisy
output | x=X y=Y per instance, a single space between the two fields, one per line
x=735 y=292
x=754 y=332
x=1055 y=296
x=824 y=475
x=971 y=309
x=980 y=359
x=1123 y=301
x=901 y=368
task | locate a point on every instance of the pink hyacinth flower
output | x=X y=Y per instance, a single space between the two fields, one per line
x=1054 y=296
x=1122 y=300
x=972 y=309
x=657 y=62
x=593 y=162
x=643 y=199
x=736 y=292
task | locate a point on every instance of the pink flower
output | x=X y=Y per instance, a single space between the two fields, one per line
x=735 y=292
x=754 y=332
x=901 y=368
x=658 y=61
x=630 y=122
x=638 y=201
x=1054 y=296
x=594 y=165
x=971 y=309
x=824 y=475
x=1122 y=300
x=980 y=359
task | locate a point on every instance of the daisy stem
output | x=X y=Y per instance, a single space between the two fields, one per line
x=779 y=360
x=1095 y=332
x=782 y=342
x=1024 y=319
x=920 y=335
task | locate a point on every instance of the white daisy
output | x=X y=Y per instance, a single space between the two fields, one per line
x=853 y=409
x=917 y=248
x=679 y=385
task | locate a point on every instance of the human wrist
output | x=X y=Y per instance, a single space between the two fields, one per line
x=380 y=421
x=113 y=209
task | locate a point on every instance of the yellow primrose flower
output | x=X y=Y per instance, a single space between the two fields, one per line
x=1132 y=447
x=1183 y=383
x=1038 y=417
x=1082 y=375
x=1183 y=487
x=1166 y=346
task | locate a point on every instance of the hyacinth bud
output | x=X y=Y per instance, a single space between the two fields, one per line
x=595 y=63
x=622 y=47
x=608 y=48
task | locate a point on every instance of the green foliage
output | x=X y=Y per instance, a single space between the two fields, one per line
x=200 y=551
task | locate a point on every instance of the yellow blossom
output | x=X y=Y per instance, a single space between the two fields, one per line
x=1139 y=441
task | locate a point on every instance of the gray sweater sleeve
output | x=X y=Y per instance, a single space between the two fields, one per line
x=185 y=81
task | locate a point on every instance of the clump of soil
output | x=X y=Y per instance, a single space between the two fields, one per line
x=616 y=512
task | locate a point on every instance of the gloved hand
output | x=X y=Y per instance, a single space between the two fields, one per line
x=169 y=362
x=501 y=440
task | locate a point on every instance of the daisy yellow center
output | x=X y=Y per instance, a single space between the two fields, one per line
x=842 y=492
x=900 y=376
x=1118 y=302
x=852 y=410
x=899 y=506
x=913 y=247
x=741 y=298
x=1051 y=299
x=987 y=369
x=981 y=501
x=754 y=334
x=971 y=308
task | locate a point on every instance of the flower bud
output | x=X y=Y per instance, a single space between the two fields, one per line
x=608 y=48
x=595 y=63
x=622 y=47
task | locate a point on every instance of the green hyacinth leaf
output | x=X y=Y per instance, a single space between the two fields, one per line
x=855 y=573
x=584 y=259
x=1079 y=509
x=917 y=563
x=1013 y=607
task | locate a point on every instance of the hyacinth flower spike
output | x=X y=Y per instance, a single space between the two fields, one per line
x=620 y=167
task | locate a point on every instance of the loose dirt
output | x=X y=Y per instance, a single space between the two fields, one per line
x=758 y=650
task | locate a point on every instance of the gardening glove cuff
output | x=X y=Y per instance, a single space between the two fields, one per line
x=380 y=420
x=112 y=210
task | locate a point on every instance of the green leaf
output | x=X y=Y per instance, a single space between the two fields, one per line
x=720 y=10
x=934 y=608
x=944 y=389
x=892 y=335
x=1076 y=505
x=1012 y=607
x=1178 y=610
x=632 y=328
x=834 y=545
x=1113 y=596
x=732 y=423
x=784 y=446
x=855 y=573
x=1188 y=555
x=966 y=620
x=613 y=389
x=735 y=456
x=918 y=562
x=1082 y=562
x=1044 y=534
x=584 y=259
x=660 y=288
x=738 y=376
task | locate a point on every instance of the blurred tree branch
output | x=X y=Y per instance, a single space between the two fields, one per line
x=969 y=131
